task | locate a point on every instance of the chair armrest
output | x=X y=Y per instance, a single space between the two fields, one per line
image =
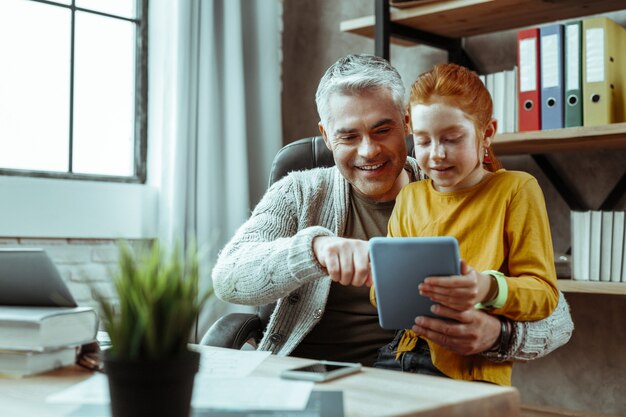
x=233 y=331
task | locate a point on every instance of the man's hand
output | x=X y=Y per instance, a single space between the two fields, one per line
x=346 y=260
x=475 y=331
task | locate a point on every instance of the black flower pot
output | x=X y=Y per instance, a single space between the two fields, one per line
x=151 y=387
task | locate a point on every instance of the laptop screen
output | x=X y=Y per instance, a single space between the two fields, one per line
x=29 y=278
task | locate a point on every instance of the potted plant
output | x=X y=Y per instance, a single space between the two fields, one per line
x=149 y=366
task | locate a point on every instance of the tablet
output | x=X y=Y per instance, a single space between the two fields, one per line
x=399 y=264
x=29 y=278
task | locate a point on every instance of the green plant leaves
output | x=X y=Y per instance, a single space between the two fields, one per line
x=159 y=302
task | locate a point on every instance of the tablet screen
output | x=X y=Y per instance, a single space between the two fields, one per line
x=399 y=265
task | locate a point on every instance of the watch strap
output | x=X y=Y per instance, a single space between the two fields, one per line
x=503 y=291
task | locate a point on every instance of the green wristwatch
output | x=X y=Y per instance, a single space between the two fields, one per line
x=503 y=291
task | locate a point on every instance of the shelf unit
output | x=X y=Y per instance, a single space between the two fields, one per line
x=570 y=139
x=461 y=18
x=592 y=287
x=444 y=23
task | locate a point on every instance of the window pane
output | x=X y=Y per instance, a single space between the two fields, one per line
x=124 y=8
x=34 y=85
x=104 y=95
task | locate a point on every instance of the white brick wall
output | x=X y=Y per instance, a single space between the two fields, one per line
x=83 y=263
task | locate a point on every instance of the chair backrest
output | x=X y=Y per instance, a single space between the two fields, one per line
x=308 y=153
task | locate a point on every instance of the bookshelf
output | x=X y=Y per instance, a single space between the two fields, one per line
x=570 y=139
x=461 y=18
x=592 y=287
x=597 y=317
x=568 y=285
x=440 y=23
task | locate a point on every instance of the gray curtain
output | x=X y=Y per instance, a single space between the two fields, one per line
x=214 y=118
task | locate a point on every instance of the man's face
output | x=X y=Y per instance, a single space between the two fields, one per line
x=366 y=134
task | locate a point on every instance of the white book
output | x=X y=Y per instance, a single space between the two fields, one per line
x=624 y=260
x=489 y=83
x=515 y=101
x=581 y=235
x=618 y=246
x=595 y=249
x=46 y=328
x=499 y=97
x=586 y=244
x=575 y=218
x=510 y=98
x=23 y=363
x=606 y=243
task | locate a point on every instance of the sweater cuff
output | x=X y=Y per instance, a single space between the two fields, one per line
x=535 y=339
x=301 y=260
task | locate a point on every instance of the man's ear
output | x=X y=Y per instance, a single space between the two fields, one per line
x=324 y=135
x=490 y=132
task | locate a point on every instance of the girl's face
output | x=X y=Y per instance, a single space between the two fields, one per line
x=446 y=145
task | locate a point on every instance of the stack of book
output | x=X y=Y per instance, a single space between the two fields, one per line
x=502 y=87
x=39 y=339
x=571 y=74
x=598 y=245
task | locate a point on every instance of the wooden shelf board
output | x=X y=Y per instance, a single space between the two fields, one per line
x=528 y=410
x=573 y=138
x=460 y=18
x=592 y=287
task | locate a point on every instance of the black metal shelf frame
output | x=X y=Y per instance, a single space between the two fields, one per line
x=383 y=30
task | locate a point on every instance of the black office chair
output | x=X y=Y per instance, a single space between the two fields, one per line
x=236 y=329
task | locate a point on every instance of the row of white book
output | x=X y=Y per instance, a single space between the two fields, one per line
x=503 y=89
x=598 y=246
x=40 y=339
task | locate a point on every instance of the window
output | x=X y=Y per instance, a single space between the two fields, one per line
x=73 y=89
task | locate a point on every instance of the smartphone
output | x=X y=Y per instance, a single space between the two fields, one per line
x=321 y=371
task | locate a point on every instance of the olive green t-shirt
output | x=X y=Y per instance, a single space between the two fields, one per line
x=349 y=329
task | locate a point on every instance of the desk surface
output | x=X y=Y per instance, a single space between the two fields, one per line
x=370 y=393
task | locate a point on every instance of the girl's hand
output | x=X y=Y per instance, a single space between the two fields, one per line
x=459 y=292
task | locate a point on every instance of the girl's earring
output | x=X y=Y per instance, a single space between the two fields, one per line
x=487 y=158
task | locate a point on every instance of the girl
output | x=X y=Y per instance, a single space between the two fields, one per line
x=498 y=217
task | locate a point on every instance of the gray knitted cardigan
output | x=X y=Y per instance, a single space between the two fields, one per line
x=270 y=258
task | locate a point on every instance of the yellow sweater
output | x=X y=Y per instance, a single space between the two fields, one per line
x=500 y=224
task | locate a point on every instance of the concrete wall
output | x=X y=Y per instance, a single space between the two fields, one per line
x=586 y=374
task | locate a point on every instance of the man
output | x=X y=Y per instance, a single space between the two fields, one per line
x=305 y=242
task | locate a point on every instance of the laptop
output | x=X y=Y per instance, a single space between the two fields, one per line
x=399 y=265
x=29 y=278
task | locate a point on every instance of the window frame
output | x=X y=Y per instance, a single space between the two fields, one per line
x=141 y=103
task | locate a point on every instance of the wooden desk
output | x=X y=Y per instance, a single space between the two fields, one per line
x=371 y=393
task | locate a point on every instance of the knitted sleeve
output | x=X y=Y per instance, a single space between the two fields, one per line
x=535 y=339
x=271 y=254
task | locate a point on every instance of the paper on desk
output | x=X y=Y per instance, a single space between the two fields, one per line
x=94 y=390
x=250 y=393
x=229 y=362
x=221 y=382
x=242 y=393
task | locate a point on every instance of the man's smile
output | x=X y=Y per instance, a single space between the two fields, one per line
x=371 y=167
